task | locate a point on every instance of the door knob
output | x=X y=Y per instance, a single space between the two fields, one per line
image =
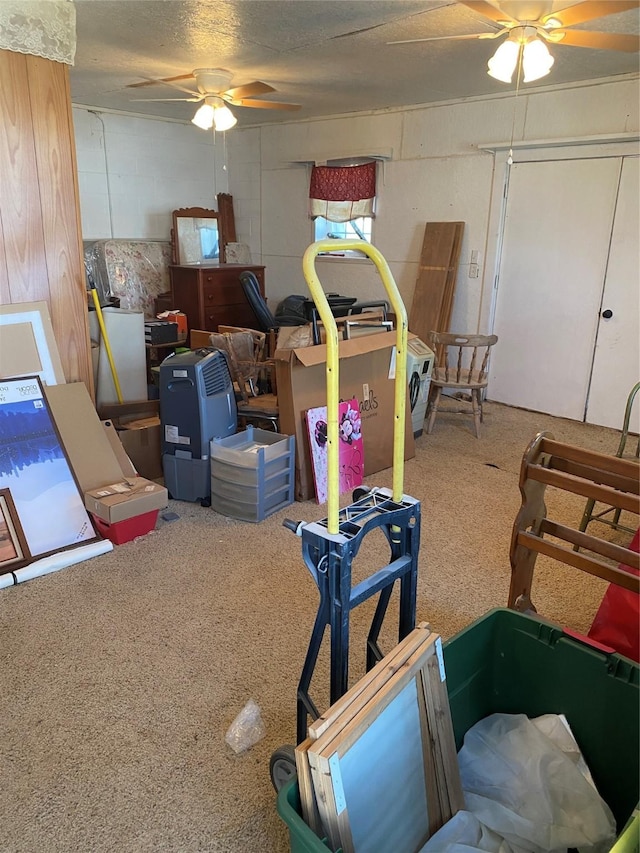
x=608 y=314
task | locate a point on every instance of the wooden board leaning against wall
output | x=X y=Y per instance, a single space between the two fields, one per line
x=40 y=239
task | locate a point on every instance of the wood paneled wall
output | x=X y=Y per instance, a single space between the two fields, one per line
x=40 y=237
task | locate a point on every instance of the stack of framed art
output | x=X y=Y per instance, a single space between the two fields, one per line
x=379 y=769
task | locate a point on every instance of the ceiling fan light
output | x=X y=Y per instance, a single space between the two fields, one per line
x=204 y=117
x=536 y=60
x=503 y=62
x=223 y=118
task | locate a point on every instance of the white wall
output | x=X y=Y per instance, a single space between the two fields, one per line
x=134 y=171
x=437 y=172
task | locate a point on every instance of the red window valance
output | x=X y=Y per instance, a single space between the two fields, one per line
x=341 y=193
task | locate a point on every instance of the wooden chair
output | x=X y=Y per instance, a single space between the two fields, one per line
x=459 y=371
x=602 y=515
x=245 y=350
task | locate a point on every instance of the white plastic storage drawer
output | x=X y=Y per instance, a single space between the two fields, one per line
x=252 y=473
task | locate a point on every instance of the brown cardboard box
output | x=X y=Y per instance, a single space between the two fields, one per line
x=365 y=364
x=113 y=502
x=139 y=430
x=98 y=468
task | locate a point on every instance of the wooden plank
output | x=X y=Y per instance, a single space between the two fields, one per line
x=450 y=286
x=592 y=543
x=308 y=801
x=624 y=467
x=20 y=210
x=434 y=799
x=580 y=561
x=325 y=800
x=577 y=486
x=445 y=739
x=603 y=477
x=53 y=145
x=437 y=273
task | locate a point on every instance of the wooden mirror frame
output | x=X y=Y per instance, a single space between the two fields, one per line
x=190 y=213
x=224 y=217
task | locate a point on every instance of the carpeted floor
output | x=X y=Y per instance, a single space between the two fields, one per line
x=120 y=676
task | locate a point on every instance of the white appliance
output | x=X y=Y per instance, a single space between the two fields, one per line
x=419 y=367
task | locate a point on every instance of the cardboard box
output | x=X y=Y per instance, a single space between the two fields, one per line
x=111 y=488
x=114 y=502
x=365 y=365
x=139 y=430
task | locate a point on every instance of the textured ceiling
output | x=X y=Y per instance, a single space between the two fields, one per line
x=330 y=56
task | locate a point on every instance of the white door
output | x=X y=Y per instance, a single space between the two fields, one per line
x=616 y=365
x=556 y=238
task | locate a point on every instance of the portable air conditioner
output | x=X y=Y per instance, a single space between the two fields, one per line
x=419 y=367
x=197 y=404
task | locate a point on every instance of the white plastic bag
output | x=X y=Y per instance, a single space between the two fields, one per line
x=465 y=834
x=247 y=728
x=521 y=785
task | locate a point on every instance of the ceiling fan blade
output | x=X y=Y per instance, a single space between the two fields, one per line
x=442 y=38
x=164 y=83
x=487 y=10
x=590 y=9
x=169 y=100
x=601 y=41
x=152 y=81
x=264 y=105
x=251 y=89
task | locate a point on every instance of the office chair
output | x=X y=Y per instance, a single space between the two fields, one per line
x=265 y=319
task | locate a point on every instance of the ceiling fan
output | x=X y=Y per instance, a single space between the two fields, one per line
x=212 y=88
x=529 y=26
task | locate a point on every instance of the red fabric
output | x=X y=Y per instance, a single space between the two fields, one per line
x=617 y=622
x=343 y=183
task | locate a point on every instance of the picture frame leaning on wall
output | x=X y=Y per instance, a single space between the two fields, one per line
x=35 y=467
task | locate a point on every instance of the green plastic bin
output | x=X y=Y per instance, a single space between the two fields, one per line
x=511 y=663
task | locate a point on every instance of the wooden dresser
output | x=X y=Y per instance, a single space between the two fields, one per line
x=213 y=295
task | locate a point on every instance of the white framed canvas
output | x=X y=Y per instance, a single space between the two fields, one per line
x=27 y=343
x=35 y=468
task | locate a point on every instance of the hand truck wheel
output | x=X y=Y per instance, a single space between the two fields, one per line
x=282 y=766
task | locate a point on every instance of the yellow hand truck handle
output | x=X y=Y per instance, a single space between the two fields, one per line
x=333 y=359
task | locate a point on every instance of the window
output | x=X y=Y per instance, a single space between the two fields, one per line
x=341 y=200
x=354 y=229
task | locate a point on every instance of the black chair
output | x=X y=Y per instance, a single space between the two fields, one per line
x=265 y=319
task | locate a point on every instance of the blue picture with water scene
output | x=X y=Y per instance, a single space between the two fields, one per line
x=34 y=466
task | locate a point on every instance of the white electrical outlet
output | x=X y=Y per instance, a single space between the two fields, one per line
x=473 y=270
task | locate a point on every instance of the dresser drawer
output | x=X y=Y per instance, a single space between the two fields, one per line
x=222 y=292
x=229 y=315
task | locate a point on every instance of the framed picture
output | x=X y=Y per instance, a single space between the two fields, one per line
x=14 y=551
x=34 y=466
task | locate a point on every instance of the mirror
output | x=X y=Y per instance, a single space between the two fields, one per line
x=196 y=236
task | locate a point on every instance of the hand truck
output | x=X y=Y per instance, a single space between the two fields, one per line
x=330 y=546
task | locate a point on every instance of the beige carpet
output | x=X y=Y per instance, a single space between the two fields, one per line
x=120 y=676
